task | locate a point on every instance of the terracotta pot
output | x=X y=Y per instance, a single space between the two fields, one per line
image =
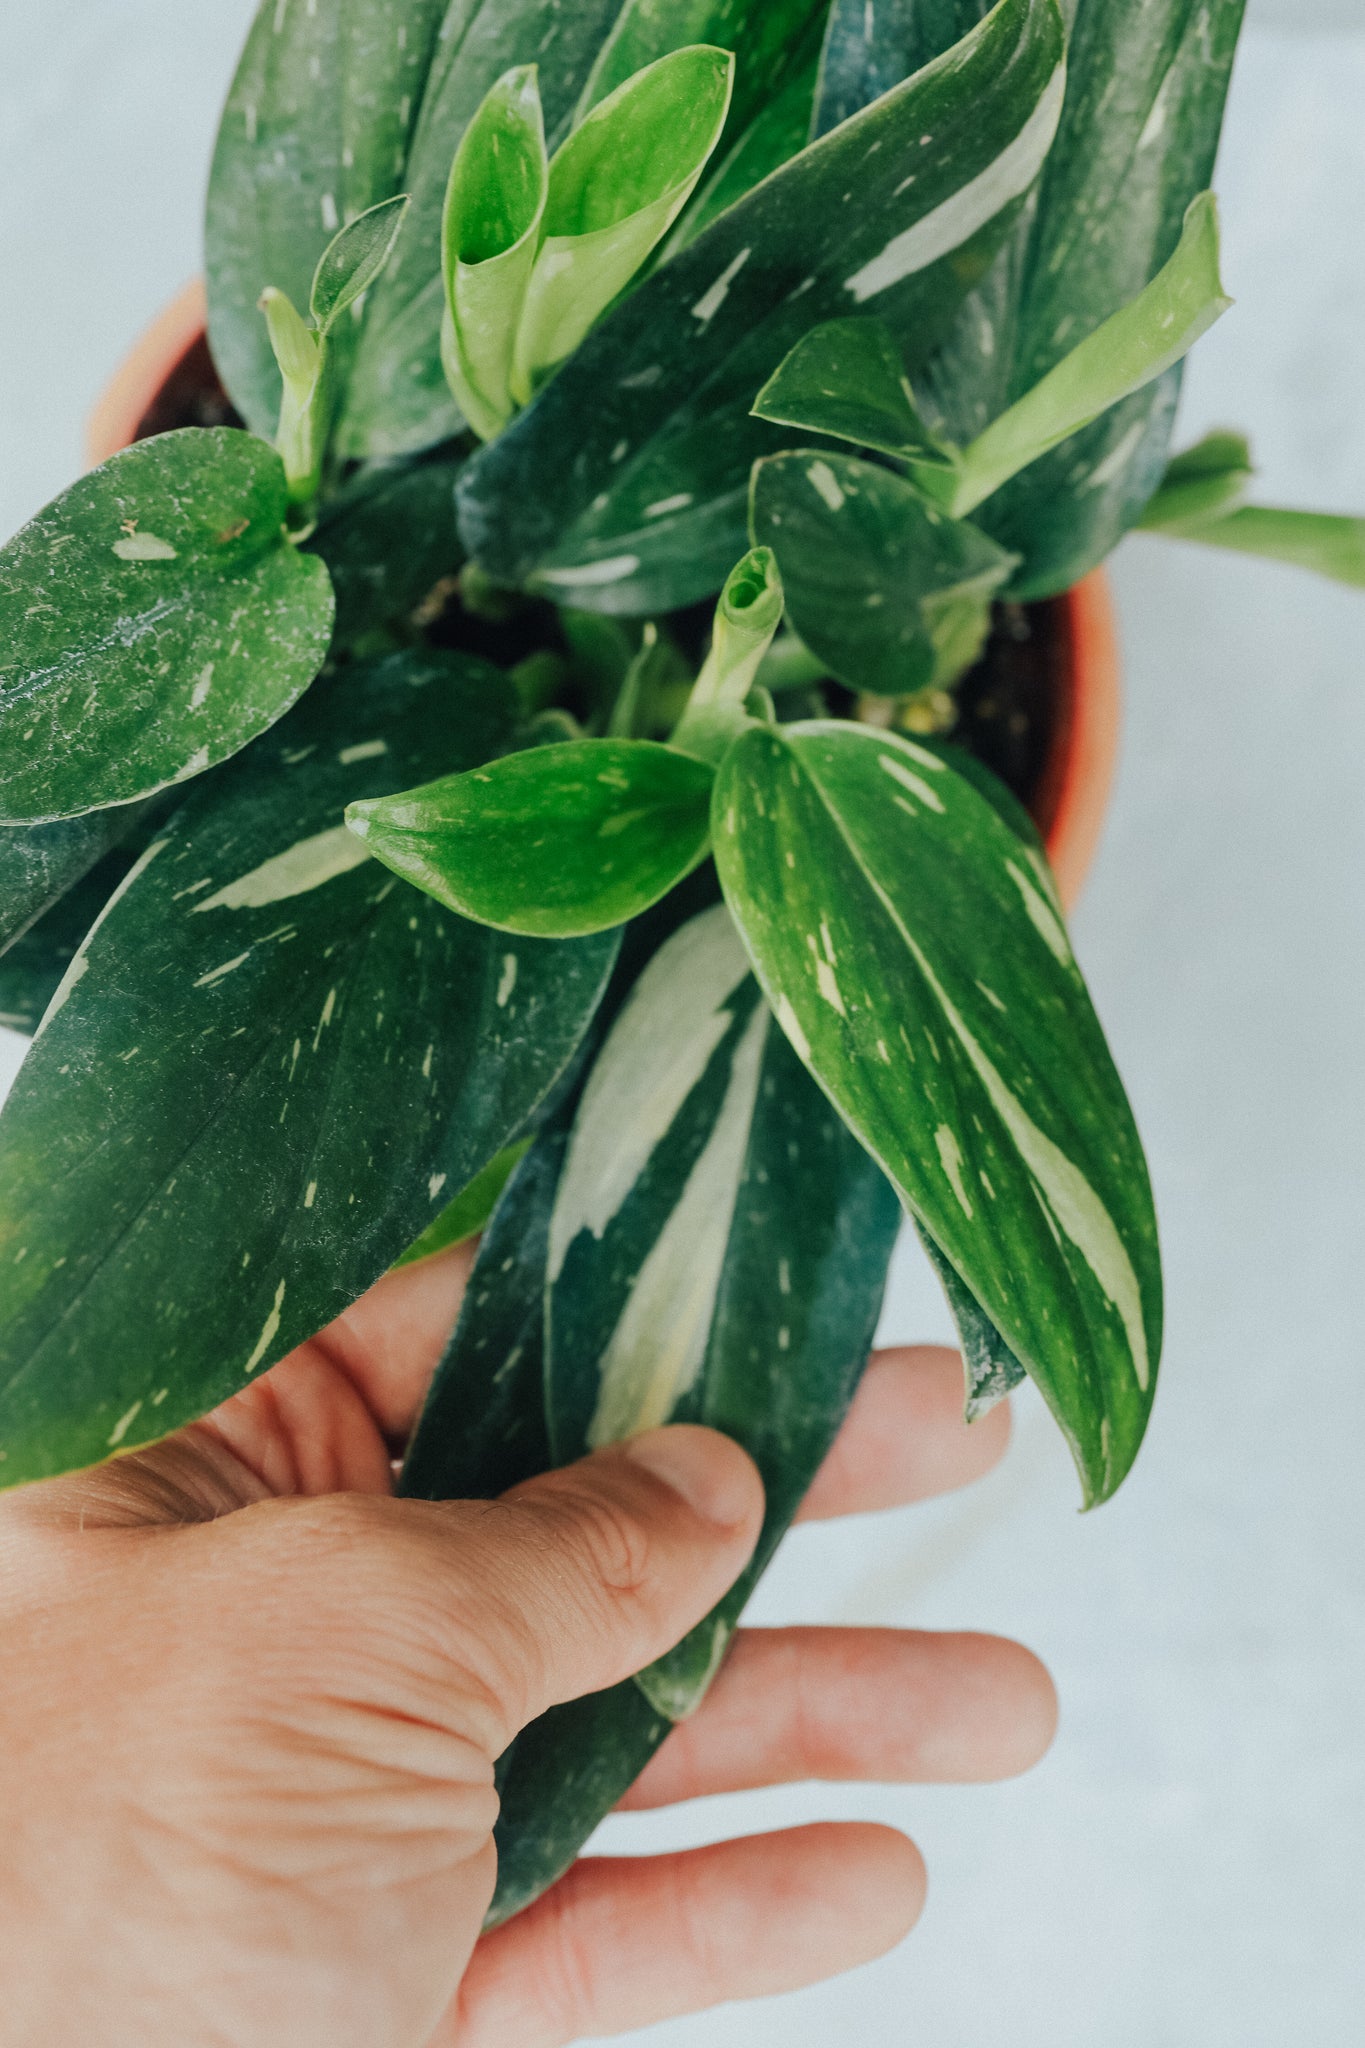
x=171 y=366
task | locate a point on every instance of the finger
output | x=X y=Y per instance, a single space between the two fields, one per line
x=878 y=1705
x=622 y=1942
x=905 y=1438
x=578 y=1578
x=389 y=1343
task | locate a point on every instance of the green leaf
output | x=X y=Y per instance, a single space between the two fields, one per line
x=396 y=399
x=616 y=187
x=653 y=409
x=761 y=33
x=491 y=231
x=40 y=863
x=315 y=132
x=557 y=841
x=1210 y=479
x=306 y=396
x=261 y=1075
x=915 y=954
x=1144 y=104
x=717 y=1251
x=353 y=260
x=869 y=50
x=1330 y=544
x=1125 y=353
x=846 y=379
x=482 y=1427
x=778 y=131
x=388 y=543
x=32 y=966
x=466 y=1216
x=747 y=616
x=152 y=620
x=991 y=1368
x=871 y=569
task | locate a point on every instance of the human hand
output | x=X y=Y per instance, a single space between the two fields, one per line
x=252 y=1705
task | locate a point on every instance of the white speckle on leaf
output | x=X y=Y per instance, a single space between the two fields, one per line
x=787 y=1018
x=123 y=1425
x=268 y=1335
x=784 y=1276
x=677 y=503
x=711 y=301
x=203 y=683
x=364 y=750
x=826 y=483
x=228 y=967
x=592 y=575
x=1041 y=915
x=196 y=765
x=435 y=1184
x=306 y=865
x=331 y=219
x=950 y=1158
x=829 y=987
x=508 y=980
x=143 y=547
x=328 y=1012
x=916 y=784
x=310 y=1194
x=948 y=226
x=426 y=1063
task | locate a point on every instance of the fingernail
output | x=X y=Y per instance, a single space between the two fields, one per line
x=713 y=1475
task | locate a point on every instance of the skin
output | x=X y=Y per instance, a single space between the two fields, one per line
x=252 y=1706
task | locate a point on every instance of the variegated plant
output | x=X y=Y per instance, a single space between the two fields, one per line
x=412 y=819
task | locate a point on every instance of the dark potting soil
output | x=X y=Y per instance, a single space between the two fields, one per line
x=1007 y=703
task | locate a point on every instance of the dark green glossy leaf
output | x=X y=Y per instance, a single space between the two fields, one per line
x=655 y=405
x=32 y=966
x=261 y=1073
x=315 y=131
x=482 y=1427
x=152 y=620
x=397 y=399
x=847 y=379
x=1144 y=106
x=388 y=544
x=557 y=841
x=40 y=863
x=466 y=1216
x=354 y=258
x=870 y=49
x=872 y=571
x=779 y=131
x=915 y=953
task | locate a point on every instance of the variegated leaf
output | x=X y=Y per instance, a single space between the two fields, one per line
x=915 y=953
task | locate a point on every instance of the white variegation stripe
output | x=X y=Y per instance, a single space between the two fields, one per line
x=968 y=210
x=657 y=1052
x=303 y=867
x=659 y=1346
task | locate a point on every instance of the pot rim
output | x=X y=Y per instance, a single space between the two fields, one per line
x=1073 y=795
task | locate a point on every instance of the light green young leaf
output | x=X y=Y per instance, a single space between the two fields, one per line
x=876 y=577
x=152 y=620
x=846 y=378
x=1203 y=482
x=747 y=616
x=1330 y=544
x=305 y=400
x=649 y=514
x=491 y=231
x=557 y=841
x=915 y=954
x=1128 y=351
x=466 y=1216
x=354 y=258
x=616 y=187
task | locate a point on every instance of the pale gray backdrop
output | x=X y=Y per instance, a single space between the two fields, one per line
x=1189 y=1864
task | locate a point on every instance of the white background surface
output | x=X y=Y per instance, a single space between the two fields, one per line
x=1189 y=1865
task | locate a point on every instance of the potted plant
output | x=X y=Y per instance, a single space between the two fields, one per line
x=418 y=817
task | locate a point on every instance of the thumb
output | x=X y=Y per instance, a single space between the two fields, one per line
x=581 y=1577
